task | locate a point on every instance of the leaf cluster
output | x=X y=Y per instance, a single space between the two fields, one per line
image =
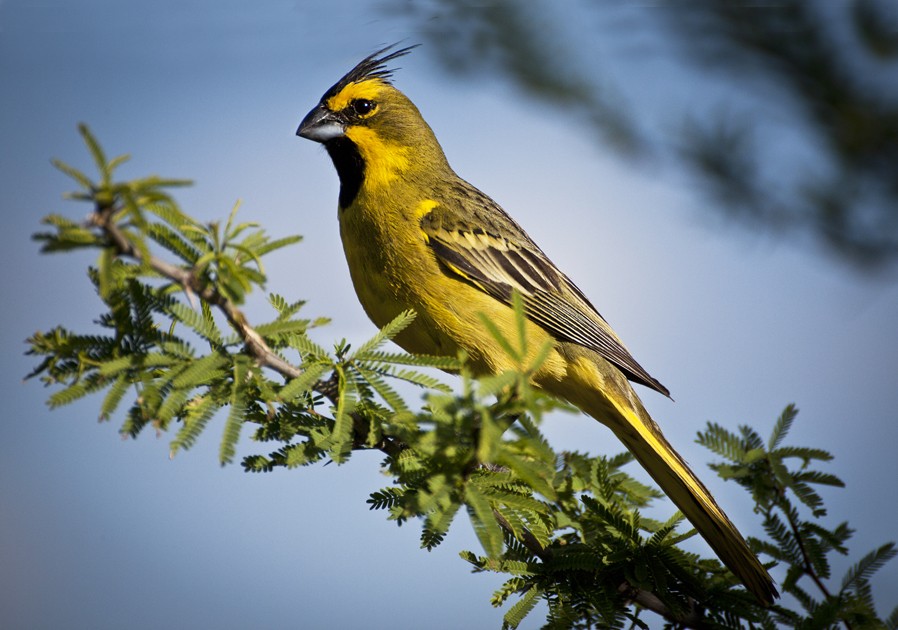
x=565 y=528
x=784 y=486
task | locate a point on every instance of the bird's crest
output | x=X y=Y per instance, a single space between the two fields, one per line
x=371 y=67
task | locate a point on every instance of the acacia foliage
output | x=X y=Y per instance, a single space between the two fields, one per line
x=171 y=350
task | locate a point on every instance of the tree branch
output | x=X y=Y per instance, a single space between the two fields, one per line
x=806 y=560
x=255 y=345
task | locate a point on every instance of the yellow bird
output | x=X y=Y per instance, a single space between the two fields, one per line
x=417 y=236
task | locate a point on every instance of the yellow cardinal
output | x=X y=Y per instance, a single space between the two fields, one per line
x=419 y=237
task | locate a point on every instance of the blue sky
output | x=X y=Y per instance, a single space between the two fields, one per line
x=101 y=532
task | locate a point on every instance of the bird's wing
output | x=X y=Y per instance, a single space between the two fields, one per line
x=490 y=251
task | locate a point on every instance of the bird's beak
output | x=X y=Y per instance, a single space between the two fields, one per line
x=320 y=125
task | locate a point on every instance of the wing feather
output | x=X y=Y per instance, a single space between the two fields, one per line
x=498 y=257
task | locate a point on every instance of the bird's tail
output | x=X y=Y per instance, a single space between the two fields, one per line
x=616 y=405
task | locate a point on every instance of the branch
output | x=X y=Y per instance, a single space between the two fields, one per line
x=264 y=356
x=806 y=560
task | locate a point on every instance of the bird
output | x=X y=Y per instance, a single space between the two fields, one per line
x=418 y=237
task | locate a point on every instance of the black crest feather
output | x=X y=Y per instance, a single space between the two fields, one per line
x=371 y=67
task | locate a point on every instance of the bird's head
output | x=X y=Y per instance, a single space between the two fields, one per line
x=371 y=130
x=364 y=97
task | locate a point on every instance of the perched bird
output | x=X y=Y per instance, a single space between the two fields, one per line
x=417 y=236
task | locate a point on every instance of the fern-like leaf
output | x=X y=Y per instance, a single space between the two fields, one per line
x=173 y=242
x=284 y=308
x=199 y=323
x=401 y=358
x=200 y=371
x=304 y=382
x=385 y=334
x=383 y=389
x=198 y=413
x=278 y=243
x=723 y=442
x=483 y=521
x=521 y=609
x=385 y=498
x=806 y=454
x=782 y=426
x=868 y=565
x=234 y=423
x=114 y=396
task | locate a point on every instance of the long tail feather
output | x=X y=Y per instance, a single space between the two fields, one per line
x=610 y=399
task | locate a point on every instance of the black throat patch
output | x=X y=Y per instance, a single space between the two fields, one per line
x=350 y=168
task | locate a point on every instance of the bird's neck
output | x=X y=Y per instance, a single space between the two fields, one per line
x=350 y=168
x=373 y=164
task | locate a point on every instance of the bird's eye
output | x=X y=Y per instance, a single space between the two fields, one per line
x=362 y=106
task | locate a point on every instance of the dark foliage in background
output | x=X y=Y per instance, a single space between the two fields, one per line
x=795 y=131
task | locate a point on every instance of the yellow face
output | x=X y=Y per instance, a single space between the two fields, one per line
x=360 y=106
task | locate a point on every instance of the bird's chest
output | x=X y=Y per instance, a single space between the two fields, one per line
x=388 y=259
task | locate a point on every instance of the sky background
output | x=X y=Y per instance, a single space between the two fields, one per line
x=101 y=532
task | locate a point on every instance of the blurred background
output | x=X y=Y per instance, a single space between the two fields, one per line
x=721 y=179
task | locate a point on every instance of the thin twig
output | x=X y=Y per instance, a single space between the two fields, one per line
x=806 y=561
x=265 y=356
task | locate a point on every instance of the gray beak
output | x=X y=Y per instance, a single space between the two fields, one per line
x=320 y=125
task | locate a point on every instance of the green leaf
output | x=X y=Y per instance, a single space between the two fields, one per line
x=782 y=426
x=104 y=269
x=438 y=522
x=234 y=423
x=117 y=161
x=807 y=495
x=282 y=327
x=168 y=211
x=83 y=180
x=431 y=539
x=514 y=500
x=285 y=309
x=339 y=443
x=200 y=371
x=271 y=246
x=383 y=389
x=868 y=565
x=388 y=332
x=723 y=442
x=96 y=152
x=304 y=382
x=74 y=392
x=825 y=479
x=484 y=522
x=421 y=380
x=201 y=323
x=171 y=406
x=173 y=242
x=532 y=472
x=521 y=608
x=807 y=454
x=307 y=348
x=418 y=360
x=114 y=397
x=385 y=498
x=198 y=413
